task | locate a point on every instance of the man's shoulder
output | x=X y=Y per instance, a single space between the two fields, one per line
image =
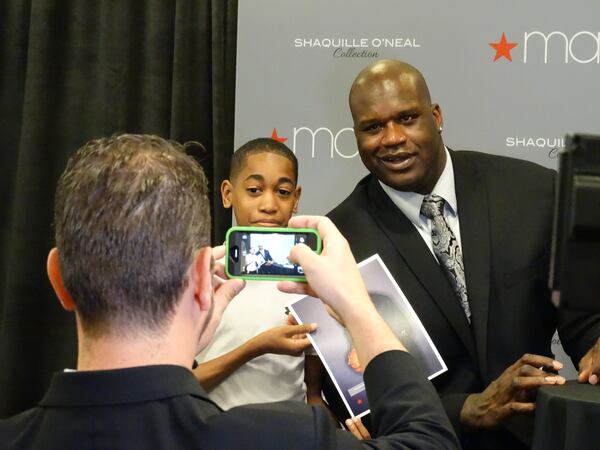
x=356 y=199
x=12 y=429
x=505 y=165
x=514 y=180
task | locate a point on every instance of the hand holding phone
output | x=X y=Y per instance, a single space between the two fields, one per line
x=333 y=276
x=258 y=253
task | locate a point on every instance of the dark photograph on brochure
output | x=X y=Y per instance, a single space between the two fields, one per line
x=333 y=345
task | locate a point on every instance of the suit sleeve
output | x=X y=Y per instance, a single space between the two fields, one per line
x=406 y=410
x=453 y=404
x=407 y=415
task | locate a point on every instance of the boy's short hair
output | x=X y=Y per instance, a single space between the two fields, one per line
x=261 y=145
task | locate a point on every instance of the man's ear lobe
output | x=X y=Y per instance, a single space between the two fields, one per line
x=203 y=289
x=53 y=269
x=226 y=191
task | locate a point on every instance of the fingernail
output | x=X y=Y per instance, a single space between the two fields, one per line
x=593 y=379
x=313 y=326
x=557 y=365
x=550 y=379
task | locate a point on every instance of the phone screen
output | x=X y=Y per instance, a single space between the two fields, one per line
x=262 y=253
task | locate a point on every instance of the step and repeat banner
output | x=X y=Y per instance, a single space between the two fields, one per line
x=512 y=77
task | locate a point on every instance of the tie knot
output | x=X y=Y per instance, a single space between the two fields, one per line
x=432 y=206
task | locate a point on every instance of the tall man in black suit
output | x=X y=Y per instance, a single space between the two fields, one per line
x=472 y=258
x=266 y=255
x=133 y=262
x=265 y=260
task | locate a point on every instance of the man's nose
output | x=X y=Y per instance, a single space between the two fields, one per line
x=393 y=134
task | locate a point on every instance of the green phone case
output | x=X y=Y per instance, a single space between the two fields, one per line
x=263 y=230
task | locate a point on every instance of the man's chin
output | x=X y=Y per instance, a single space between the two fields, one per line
x=407 y=184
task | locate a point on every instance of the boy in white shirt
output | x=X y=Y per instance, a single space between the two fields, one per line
x=256 y=356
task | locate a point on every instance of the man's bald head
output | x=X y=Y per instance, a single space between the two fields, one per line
x=376 y=78
x=397 y=128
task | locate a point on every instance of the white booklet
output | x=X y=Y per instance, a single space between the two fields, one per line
x=333 y=345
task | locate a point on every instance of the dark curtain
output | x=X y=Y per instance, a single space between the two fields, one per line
x=71 y=71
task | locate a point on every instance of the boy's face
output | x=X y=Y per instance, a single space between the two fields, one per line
x=264 y=192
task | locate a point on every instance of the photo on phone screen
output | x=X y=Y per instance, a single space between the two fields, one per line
x=262 y=253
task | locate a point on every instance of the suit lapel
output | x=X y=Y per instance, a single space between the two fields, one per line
x=473 y=212
x=418 y=258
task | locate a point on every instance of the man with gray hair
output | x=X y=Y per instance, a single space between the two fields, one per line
x=133 y=261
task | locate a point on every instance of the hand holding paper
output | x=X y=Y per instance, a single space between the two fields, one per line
x=334 y=278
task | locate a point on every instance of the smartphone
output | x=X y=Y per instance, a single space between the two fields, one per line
x=258 y=253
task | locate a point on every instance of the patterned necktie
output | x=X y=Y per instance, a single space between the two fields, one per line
x=446 y=248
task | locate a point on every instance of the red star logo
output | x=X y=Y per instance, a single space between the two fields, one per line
x=503 y=48
x=359 y=401
x=277 y=138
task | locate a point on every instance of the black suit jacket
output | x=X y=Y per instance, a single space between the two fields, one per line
x=164 y=407
x=265 y=254
x=505 y=209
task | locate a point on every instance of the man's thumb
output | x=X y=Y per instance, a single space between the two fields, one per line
x=303 y=255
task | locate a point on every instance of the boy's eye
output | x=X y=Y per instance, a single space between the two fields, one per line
x=253 y=190
x=284 y=192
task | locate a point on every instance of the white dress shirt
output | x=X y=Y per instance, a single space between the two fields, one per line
x=410 y=204
x=269 y=377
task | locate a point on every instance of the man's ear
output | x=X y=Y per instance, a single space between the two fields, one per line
x=203 y=289
x=226 y=192
x=436 y=110
x=53 y=269
x=297 y=193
